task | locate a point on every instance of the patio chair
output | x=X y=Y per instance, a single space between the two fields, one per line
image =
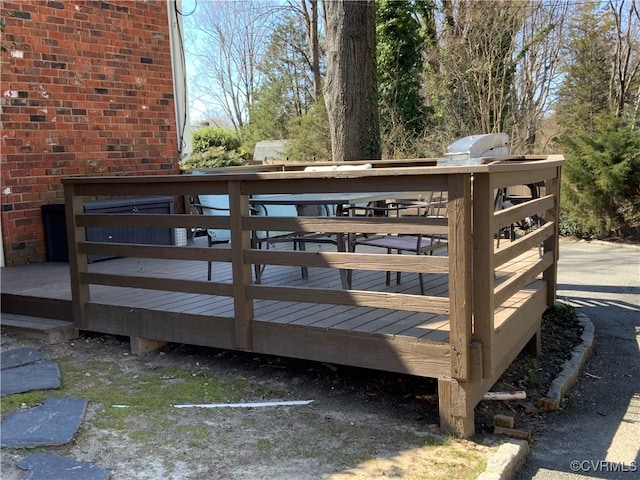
x=428 y=205
x=299 y=240
x=212 y=205
x=219 y=205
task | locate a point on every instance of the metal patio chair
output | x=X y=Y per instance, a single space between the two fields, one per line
x=428 y=205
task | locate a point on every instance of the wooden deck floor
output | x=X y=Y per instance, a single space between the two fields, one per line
x=50 y=281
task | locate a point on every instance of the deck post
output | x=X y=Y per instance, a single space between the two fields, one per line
x=483 y=268
x=241 y=271
x=455 y=409
x=552 y=186
x=459 y=212
x=78 y=262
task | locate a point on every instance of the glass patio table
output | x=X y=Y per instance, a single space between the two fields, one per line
x=335 y=204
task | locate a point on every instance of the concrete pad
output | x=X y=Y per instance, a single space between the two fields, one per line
x=44 y=466
x=52 y=423
x=19 y=356
x=39 y=376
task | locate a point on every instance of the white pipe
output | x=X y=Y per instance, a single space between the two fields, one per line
x=246 y=405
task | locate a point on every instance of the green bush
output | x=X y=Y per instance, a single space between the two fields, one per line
x=310 y=137
x=207 y=137
x=568 y=227
x=601 y=178
x=214 y=157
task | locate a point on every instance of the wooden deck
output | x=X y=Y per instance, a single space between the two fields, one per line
x=44 y=290
x=482 y=303
x=26 y=288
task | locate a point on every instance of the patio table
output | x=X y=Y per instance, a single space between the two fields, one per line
x=336 y=201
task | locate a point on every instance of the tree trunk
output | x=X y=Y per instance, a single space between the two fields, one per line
x=350 y=89
x=311 y=23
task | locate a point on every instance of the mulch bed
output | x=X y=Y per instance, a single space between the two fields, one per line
x=561 y=332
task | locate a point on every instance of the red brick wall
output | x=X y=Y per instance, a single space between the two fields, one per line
x=87 y=89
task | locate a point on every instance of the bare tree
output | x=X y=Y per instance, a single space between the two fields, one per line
x=351 y=87
x=476 y=54
x=311 y=21
x=493 y=66
x=228 y=39
x=626 y=56
x=537 y=61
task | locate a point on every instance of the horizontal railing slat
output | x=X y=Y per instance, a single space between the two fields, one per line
x=515 y=213
x=168 y=252
x=352 y=261
x=359 y=298
x=152 y=220
x=520 y=280
x=155 y=283
x=509 y=251
x=517 y=177
x=403 y=225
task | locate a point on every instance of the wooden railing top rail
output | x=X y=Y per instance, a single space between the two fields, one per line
x=389 y=169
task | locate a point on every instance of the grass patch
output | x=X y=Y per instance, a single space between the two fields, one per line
x=13 y=403
x=131 y=423
x=121 y=395
x=264 y=446
x=196 y=432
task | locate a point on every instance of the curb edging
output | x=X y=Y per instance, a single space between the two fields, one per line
x=572 y=367
x=503 y=464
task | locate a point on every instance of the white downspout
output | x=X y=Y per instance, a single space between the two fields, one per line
x=180 y=95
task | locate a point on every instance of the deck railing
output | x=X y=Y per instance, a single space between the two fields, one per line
x=473 y=263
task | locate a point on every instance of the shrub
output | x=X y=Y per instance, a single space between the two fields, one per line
x=214 y=157
x=568 y=227
x=310 y=136
x=208 y=137
x=601 y=177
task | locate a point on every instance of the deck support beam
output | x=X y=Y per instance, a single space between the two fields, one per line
x=240 y=242
x=552 y=186
x=483 y=269
x=456 y=410
x=457 y=399
x=140 y=346
x=78 y=262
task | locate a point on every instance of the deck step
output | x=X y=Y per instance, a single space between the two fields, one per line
x=35 y=306
x=45 y=329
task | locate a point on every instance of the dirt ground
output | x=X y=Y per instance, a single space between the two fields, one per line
x=361 y=423
x=561 y=332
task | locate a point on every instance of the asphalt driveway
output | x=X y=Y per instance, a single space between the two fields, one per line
x=597 y=432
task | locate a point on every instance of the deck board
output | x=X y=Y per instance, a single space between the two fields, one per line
x=53 y=282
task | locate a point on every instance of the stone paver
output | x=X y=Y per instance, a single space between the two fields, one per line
x=44 y=466
x=52 y=423
x=37 y=376
x=20 y=356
